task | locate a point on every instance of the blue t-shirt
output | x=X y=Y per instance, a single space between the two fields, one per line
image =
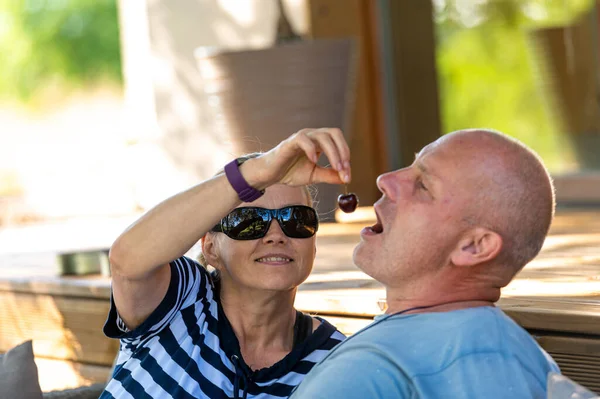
x=468 y=353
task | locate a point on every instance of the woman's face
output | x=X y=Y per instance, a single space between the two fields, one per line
x=274 y=262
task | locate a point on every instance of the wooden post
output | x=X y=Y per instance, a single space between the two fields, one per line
x=354 y=18
x=410 y=52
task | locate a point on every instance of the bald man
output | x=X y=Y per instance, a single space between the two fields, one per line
x=452 y=230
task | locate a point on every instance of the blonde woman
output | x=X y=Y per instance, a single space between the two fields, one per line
x=188 y=333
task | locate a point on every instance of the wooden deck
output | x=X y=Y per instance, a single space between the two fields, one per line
x=556 y=297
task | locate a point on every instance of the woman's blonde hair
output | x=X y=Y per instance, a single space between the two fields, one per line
x=309 y=190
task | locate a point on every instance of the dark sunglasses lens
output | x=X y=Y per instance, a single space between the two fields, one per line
x=299 y=221
x=246 y=223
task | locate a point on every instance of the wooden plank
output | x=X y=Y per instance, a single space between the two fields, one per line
x=567 y=221
x=349 y=302
x=582 y=187
x=62 y=374
x=576 y=221
x=547 y=315
x=60 y=327
x=532 y=314
x=571 y=346
x=583 y=369
x=347 y=325
x=88 y=287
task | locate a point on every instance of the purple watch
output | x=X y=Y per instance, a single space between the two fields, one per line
x=239 y=184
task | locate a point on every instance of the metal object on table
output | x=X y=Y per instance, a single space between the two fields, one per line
x=82 y=263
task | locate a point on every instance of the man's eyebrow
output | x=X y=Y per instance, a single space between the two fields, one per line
x=423 y=168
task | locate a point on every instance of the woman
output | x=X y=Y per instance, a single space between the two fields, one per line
x=186 y=334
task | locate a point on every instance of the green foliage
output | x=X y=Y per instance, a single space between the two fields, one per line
x=62 y=44
x=489 y=71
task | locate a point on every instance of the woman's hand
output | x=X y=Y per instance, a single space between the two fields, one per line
x=294 y=161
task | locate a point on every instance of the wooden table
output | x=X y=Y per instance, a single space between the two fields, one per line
x=556 y=297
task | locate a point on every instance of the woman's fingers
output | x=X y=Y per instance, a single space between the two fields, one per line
x=326 y=175
x=297 y=158
x=334 y=145
x=327 y=145
x=306 y=144
x=343 y=150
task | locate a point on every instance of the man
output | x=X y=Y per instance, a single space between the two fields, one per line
x=452 y=230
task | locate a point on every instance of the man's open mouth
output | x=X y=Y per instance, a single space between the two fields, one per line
x=377 y=228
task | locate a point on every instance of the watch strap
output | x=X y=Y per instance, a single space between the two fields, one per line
x=245 y=192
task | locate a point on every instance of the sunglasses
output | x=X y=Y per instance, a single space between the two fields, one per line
x=251 y=223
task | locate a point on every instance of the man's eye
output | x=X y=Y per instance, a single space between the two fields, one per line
x=421 y=185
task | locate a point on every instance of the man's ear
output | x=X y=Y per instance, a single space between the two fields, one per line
x=480 y=245
x=209 y=250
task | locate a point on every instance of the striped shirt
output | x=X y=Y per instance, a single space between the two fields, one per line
x=187 y=349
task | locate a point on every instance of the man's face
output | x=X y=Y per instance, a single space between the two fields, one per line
x=420 y=215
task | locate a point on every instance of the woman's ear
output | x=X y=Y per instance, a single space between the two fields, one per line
x=209 y=250
x=480 y=245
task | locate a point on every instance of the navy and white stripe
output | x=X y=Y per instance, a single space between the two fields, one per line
x=184 y=348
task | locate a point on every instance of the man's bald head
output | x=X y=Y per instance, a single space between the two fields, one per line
x=514 y=192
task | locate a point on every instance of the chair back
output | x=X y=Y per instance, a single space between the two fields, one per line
x=259 y=97
x=562 y=387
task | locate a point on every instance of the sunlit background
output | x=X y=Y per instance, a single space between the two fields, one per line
x=71 y=144
x=105 y=111
x=76 y=140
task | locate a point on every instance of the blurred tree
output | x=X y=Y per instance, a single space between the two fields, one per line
x=57 y=44
x=489 y=74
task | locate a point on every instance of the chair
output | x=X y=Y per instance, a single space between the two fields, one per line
x=561 y=387
x=259 y=97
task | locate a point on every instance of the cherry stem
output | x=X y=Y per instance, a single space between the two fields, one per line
x=345 y=189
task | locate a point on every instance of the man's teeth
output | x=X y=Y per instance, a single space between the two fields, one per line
x=274 y=259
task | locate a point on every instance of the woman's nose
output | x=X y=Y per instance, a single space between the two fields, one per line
x=275 y=234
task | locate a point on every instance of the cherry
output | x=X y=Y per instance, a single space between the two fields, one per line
x=348 y=202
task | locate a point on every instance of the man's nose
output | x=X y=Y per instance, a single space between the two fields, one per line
x=390 y=183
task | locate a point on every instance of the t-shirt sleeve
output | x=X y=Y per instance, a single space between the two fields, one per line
x=189 y=283
x=355 y=374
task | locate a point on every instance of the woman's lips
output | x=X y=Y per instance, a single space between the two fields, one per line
x=275 y=259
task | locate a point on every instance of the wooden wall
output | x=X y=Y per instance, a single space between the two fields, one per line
x=68 y=343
